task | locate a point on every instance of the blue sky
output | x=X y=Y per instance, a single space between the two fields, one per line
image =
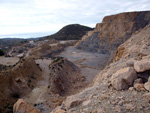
x=36 y=17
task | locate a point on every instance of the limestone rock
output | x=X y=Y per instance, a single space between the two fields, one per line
x=129 y=106
x=85 y=103
x=138 y=81
x=138 y=86
x=137 y=46
x=72 y=101
x=131 y=88
x=22 y=107
x=60 y=111
x=147 y=86
x=123 y=78
x=141 y=66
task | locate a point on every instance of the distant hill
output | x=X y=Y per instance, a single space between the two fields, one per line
x=69 y=32
x=7 y=43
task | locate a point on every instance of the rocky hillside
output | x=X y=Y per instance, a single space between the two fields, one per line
x=113 y=31
x=65 y=77
x=17 y=82
x=123 y=86
x=69 y=32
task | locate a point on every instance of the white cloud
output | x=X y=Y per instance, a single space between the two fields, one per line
x=27 y=16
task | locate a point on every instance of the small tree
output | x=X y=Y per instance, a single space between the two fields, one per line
x=1 y=52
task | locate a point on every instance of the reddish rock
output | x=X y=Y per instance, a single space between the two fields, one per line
x=22 y=107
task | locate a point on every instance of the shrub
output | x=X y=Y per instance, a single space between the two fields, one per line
x=1 y=52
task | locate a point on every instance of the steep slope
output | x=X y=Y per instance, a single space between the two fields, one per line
x=137 y=46
x=69 y=32
x=123 y=86
x=113 y=31
x=65 y=77
x=17 y=82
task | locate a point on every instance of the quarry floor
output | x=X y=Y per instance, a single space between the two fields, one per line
x=89 y=63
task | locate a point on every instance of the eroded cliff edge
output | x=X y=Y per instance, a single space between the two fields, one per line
x=113 y=31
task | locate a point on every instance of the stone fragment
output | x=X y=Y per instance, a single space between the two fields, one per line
x=129 y=106
x=72 y=101
x=141 y=66
x=60 y=111
x=22 y=107
x=138 y=86
x=131 y=88
x=123 y=78
x=147 y=86
x=118 y=108
x=87 y=102
x=139 y=80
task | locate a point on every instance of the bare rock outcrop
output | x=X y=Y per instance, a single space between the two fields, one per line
x=128 y=55
x=120 y=74
x=22 y=107
x=133 y=47
x=113 y=31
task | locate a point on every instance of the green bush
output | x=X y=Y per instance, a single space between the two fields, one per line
x=1 y=52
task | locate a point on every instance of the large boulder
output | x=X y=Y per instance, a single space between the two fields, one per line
x=22 y=107
x=141 y=66
x=123 y=78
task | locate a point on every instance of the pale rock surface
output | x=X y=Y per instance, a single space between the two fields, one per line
x=141 y=66
x=147 y=86
x=123 y=78
x=138 y=81
x=138 y=86
x=72 y=101
x=85 y=103
x=22 y=107
x=59 y=111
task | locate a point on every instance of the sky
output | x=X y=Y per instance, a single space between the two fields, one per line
x=34 y=18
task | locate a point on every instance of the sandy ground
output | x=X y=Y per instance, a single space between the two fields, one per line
x=89 y=63
x=36 y=95
x=8 y=60
x=44 y=65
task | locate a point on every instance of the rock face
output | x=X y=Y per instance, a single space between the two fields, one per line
x=22 y=107
x=70 y=32
x=129 y=55
x=123 y=78
x=113 y=31
x=135 y=46
x=120 y=74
